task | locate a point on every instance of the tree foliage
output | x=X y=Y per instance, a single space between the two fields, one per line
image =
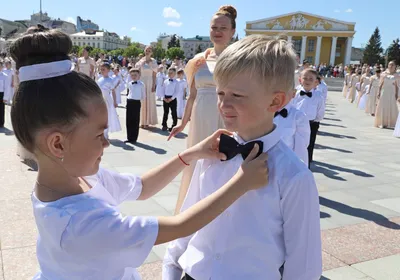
x=198 y=49
x=373 y=50
x=158 y=51
x=132 y=51
x=174 y=42
x=175 y=52
x=393 y=51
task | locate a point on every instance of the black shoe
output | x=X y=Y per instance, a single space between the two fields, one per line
x=164 y=128
x=172 y=127
x=129 y=141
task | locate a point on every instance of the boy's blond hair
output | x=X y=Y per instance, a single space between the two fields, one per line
x=271 y=60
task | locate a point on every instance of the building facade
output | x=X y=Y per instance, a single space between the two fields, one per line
x=315 y=38
x=9 y=29
x=100 y=39
x=83 y=25
x=192 y=46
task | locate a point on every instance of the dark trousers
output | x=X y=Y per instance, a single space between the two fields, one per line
x=187 y=277
x=132 y=119
x=171 y=105
x=2 y=109
x=314 y=126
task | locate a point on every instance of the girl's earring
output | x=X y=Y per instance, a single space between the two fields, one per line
x=62 y=159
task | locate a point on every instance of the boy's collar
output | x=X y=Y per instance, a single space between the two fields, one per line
x=269 y=140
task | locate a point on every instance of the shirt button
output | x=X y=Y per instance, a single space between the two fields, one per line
x=217 y=256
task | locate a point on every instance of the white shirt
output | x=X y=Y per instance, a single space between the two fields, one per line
x=137 y=91
x=171 y=88
x=84 y=65
x=295 y=130
x=313 y=107
x=323 y=89
x=182 y=85
x=264 y=229
x=3 y=79
x=84 y=236
x=160 y=78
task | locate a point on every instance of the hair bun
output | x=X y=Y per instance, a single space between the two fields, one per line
x=40 y=45
x=229 y=9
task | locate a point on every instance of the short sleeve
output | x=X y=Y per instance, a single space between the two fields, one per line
x=122 y=187
x=103 y=231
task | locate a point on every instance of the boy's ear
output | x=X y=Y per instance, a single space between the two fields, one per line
x=278 y=101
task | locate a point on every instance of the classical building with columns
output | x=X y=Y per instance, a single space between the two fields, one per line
x=315 y=38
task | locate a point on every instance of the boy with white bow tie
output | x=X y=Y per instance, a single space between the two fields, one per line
x=272 y=233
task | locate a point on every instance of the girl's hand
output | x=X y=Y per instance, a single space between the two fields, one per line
x=209 y=147
x=153 y=88
x=176 y=130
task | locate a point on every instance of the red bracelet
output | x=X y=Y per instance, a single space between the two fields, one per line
x=183 y=160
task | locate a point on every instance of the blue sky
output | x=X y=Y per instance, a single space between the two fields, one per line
x=144 y=20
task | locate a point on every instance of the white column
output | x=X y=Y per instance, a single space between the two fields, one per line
x=333 y=51
x=318 y=51
x=347 y=57
x=289 y=39
x=303 y=48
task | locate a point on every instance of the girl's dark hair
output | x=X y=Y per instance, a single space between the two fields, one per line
x=105 y=64
x=52 y=102
x=378 y=70
x=230 y=12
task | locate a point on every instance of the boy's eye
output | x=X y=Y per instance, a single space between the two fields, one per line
x=237 y=95
x=100 y=136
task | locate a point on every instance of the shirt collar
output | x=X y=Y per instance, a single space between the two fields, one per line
x=269 y=140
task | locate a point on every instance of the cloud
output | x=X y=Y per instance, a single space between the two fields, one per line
x=349 y=11
x=71 y=20
x=174 y=24
x=134 y=28
x=169 y=12
x=337 y=11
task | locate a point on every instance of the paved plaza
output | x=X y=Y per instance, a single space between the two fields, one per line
x=357 y=169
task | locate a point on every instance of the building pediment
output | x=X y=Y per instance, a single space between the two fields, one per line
x=300 y=21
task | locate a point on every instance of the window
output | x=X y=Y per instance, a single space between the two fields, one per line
x=311 y=44
x=79 y=43
x=98 y=45
x=338 y=50
x=297 y=45
x=94 y=44
x=310 y=59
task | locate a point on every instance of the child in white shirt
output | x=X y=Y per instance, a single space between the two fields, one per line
x=311 y=102
x=271 y=233
x=160 y=78
x=82 y=234
x=3 y=80
x=170 y=91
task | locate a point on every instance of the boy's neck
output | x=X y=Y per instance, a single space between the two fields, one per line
x=308 y=89
x=256 y=133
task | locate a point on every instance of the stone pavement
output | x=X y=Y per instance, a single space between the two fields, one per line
x=357 y=169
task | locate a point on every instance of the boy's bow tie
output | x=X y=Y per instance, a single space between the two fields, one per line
x=230 y=147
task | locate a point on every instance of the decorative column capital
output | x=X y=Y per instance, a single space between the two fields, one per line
x=304 y=36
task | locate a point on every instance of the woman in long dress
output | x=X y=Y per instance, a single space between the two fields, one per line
x=148 y=71
x=346 y=82
x=387 y=110
x=201 y=107
x=373 y=93
x=364 y=88
x=355 y=78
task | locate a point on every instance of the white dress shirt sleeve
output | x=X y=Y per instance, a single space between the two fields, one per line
x=320 y=110
x=301 y=229
x=171 y=268
x=302 y=136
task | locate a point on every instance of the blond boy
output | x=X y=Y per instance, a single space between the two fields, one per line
x=272 y=233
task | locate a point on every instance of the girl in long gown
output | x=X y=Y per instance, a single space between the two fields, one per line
x=364 y=82
x=107 y=86
x=387 y=110
x=148 y=71
x=201 y=107
x=346 y=82
x=373 y=93
x=355 y=78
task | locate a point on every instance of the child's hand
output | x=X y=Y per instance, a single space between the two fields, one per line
x=208 y=148
x=254 y=171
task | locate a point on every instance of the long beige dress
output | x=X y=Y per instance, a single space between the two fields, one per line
x=371 y=100
x=148 y=113
x=351 y=96
x=387 y=110
x=205 y=118
x=346 y=84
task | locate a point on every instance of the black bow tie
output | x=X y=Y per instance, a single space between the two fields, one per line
x=309 y=94
x=230 y=147
x=282 y=112
x=171 y=80
x=134 y=83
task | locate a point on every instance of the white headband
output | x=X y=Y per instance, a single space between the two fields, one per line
x=45 y=70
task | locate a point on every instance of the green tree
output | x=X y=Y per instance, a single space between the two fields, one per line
x=132 y=51
x=175 y=52
x=158 y=51
x=236 y=38
x=76 y=49
x=393 y=51
x=373 y=50
x=198 y=49
x=117 y=52
x=174 y=42
x=95 y=51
